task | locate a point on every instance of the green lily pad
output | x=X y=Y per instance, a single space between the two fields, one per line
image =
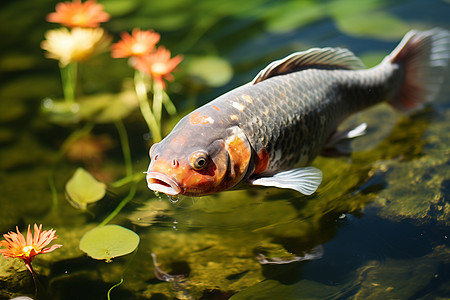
x=82 y=188
x=109 y=241
x=367 y=19
x=105 y=108
x=212 y=71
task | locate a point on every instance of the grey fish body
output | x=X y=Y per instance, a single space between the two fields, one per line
x=292 y=116
x=266 y=132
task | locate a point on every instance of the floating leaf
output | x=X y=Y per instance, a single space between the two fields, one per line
x=60 y=112
x=109 y=241
x=367 y=19
x=104 y=108
x=117 y=8
x=289 y=16
x=210 y=70
x=82 y=188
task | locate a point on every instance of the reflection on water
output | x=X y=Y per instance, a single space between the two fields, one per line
x=377 y=228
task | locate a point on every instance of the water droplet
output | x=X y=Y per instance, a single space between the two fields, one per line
x=342 y=217
x=174 y=199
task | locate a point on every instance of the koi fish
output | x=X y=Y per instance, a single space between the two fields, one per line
x=269 y=130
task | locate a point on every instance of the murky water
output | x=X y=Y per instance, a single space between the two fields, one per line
x=377 y=228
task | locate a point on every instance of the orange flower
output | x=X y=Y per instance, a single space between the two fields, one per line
x=18 y=247
x=158 y=64
x=78 y=14
x=137 y=44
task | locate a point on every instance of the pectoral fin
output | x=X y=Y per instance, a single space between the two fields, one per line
x=339 y=144
x=303 y=180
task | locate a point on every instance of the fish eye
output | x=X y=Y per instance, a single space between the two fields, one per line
x=198 y=160
x=200 y=163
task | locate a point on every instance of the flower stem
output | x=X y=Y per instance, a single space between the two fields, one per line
x=146 y=111
x=30 y=268
x=69 y=81
x=123 y=136
x=157 y=100
x=168 y=104
x=127 y=179
x=86 y=129
x=123 y=275
x=121 y=205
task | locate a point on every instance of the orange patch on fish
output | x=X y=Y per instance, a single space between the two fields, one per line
x=261 y=161
x=180 y=140
x=247 y=98
x=195 y=119
x=240 y=156
x=234 y=117
x=216 y=108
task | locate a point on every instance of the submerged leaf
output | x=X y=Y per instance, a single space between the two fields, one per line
x=109 y=241
x=82 y=188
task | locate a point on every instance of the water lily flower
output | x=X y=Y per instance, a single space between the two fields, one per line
x=158 y=64
x=77 y=44
x=137 y=44
x=18 y=247
x=77 y=14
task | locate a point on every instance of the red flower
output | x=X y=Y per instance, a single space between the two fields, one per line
x=137 y=44
x=18 y=247
x=78 y=14
x=158 y=64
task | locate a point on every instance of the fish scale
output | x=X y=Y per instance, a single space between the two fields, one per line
x=295 y=118
x=266 y=132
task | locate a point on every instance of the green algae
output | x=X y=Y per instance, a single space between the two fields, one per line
x=418 y=188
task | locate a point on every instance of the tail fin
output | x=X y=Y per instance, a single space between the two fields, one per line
x=424 y=56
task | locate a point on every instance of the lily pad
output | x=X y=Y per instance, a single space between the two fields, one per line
x=105 y=108
x=109 y=241
x=82 y=188
x=367 y=19
x=212 y=71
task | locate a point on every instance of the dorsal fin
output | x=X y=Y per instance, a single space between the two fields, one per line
x=338 y=58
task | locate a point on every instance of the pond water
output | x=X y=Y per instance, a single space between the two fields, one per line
x=377 y=228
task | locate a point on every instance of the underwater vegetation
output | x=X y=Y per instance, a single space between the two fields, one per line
x=88 y=86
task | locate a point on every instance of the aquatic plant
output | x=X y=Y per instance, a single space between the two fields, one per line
x=76 y=45
x=140 y=48
x=159 y=65
x=138 y=43
x=26 y=249
x=81 y=40
x=78 y=14
x=16 y=246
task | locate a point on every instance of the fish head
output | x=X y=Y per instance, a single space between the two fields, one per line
x=177 y=170
x=206 y=164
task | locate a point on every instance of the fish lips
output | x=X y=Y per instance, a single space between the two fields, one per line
x=163 y=183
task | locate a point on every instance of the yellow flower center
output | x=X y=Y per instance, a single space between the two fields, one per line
x=79 y=19
x=159 y=68
x=138 y=49
x=27 y=250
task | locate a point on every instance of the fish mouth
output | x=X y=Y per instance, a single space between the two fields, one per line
x=163 y=183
